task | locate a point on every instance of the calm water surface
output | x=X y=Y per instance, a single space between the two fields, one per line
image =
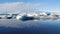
x=13 y=26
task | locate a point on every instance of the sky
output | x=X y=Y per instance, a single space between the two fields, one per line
x=18 y=6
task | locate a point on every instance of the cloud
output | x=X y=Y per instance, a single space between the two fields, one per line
x=18 y=7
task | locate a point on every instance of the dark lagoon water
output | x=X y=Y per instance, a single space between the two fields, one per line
x=13 y=26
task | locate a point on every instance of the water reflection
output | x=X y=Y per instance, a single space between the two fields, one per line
x=13 y=26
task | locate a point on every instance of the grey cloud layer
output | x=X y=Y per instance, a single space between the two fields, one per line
x=17 y=7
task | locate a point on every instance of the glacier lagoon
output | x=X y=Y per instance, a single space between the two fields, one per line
x=13 y=26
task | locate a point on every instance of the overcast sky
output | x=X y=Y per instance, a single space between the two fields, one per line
x=18 y=6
